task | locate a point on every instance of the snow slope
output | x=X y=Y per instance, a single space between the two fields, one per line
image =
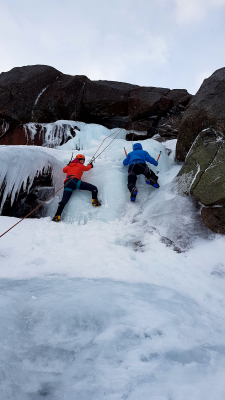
x=121 y=302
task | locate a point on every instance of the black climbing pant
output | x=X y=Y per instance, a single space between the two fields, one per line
x=68 y=191
x=140 y=169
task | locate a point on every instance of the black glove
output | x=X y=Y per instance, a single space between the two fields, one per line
x=91 y=164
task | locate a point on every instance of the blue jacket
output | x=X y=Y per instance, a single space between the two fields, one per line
x=139 y=155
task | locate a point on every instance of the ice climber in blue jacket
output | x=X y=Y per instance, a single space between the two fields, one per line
x=137 y=166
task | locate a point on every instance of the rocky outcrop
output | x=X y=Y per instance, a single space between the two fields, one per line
x=214 y=218
x=62 y=100
x=206 y=109
x=202 y=176
x=41 y=94
x=20 y=89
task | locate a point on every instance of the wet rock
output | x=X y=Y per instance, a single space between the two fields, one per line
x=136 y=136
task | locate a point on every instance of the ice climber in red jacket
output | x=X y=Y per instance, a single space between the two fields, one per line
x=73 y=181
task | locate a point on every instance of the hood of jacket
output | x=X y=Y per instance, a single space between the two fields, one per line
x=75 y=161
x=137 y=146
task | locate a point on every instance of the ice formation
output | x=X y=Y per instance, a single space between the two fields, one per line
x=53 y=133
x=110 y=176
x=20 y=164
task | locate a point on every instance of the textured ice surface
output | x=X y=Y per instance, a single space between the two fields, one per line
x=53 y=133
x=99 y=339
x=100 y=306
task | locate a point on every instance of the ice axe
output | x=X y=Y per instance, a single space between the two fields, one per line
x=159 y=155
x=70 y=160
x=158 y=160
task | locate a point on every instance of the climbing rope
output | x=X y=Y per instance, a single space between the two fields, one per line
x=93 y=159
x=37 y=207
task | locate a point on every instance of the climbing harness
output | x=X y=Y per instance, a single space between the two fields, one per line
x=145 y=169
x=77 y=183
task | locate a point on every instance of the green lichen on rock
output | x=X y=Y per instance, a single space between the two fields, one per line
x=210 y=190
x=200 y=156
x=203 y=176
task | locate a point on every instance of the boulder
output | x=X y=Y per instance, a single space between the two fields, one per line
x=202 y=176
x=214 y=218
x=207 y=108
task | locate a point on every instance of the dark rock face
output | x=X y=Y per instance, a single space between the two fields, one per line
x=25 y=202
x=61 y=100
x=41 y=94
x=207 y=108
x=104 y=100
x=20 y=88
x=203 y=177
x=214 y=218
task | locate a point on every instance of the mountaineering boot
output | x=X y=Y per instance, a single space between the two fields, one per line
x=56 y=218
x=95 y=203
x=133 y=194
x=153 y=183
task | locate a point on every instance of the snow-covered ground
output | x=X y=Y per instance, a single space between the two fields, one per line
x=121 y=302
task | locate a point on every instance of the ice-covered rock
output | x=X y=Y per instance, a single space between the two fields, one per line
x=26 y=171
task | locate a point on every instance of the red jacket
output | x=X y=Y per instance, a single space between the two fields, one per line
x=76 y=169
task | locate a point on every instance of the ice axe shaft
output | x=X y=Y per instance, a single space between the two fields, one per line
x=159 y=155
